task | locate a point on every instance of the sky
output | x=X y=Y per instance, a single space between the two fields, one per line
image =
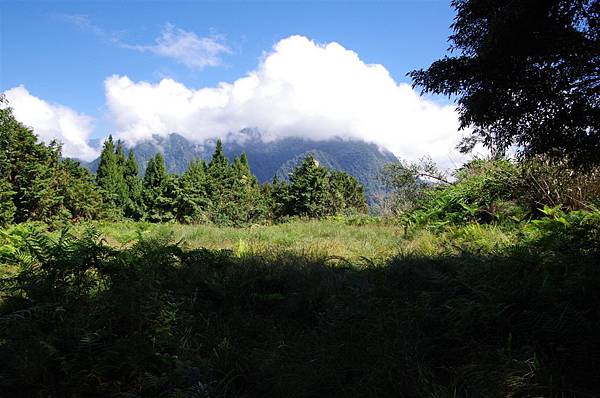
x=78 y=71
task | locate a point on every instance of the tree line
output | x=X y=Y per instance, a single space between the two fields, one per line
x=37 y=184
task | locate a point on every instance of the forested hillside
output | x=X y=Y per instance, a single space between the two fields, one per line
x=40 y=186
x=266 y=159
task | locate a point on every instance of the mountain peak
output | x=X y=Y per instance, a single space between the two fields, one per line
x=363 y=160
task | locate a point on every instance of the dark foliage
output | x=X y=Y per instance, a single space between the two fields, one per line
x=525 y=73
x=82 y=319
x=314 y=191
x=35 y=184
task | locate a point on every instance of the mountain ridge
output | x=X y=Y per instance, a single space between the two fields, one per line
x=271 y=158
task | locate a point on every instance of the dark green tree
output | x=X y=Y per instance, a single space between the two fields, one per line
x=347 y=194
x=134 y=207
x=524 y=73
x=110 y=175
x=277 y=194
x=107 y=160
x=81 y=196
x=219 y=185
x=246 y=203
x=159 y=191
x=7 y=207
x=120 y=155
x=193 y=201
x=218 y=168
x=309 y=194
x=29 y=171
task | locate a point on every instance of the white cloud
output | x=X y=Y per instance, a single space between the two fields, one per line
x=53 y=121
x=300 y=89
x=187 y=48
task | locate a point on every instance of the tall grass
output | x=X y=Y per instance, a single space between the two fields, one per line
x=471 y=311
x=377 y=240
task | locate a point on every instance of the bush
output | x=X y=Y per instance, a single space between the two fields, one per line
x=483 y=192
x=571 y=233
x=545 y=183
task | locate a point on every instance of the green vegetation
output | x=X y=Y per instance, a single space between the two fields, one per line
x=485 y=283
x=37 y=185
x=477 y=287
x=524 y=74
x=471 y=310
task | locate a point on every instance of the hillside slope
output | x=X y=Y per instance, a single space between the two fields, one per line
x=269 y=158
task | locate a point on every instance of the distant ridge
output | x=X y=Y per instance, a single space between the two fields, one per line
x=361 y=159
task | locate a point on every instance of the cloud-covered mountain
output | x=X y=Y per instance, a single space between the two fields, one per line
x=269 y=158
x=298 y=89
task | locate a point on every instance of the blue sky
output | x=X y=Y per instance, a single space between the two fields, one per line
x=62 y=53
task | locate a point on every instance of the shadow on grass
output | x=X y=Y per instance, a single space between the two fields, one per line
x=83 y=319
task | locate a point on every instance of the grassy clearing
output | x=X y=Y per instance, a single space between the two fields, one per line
x=328 y=238
x=455 y=311
x=377 y=241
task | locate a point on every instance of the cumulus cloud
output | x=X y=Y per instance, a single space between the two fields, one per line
x=53 y=121
x=187 y=48
x=300 y=88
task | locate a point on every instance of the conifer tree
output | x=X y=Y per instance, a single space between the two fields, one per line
x=7 y=207
x=347 y=194
x=246 y=203
x=29 y=170
x=159 y=191
x=110 y=174
x=120 y=155
x=107 y=160
x=81 y=196
x=309 y=189
x=219 y=185
x=135 y=206
x=279 y=199
x=192 y=201
x=218 y=167
x=314 y=191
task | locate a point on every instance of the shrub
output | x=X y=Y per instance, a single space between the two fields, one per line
x=572 y=233
x=483 y=192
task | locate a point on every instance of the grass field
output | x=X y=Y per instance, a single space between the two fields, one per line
x=304 y=309
x=375 y=240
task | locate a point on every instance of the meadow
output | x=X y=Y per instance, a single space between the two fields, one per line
x=342 y=307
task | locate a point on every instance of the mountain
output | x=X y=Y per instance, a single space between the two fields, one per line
x=269 y=158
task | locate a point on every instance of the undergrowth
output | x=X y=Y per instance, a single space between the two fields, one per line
x=470 y=311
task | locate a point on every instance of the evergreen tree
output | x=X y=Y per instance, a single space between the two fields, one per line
x=120 y=155
x=192 y=201
x=135 y=205
x=314 y=191
x=309 y=190
x=219 y=185
x=277 y=198
x=107 y=160
x=7 y=207
x=110 y=175
x=29 y=171
x=245 y=200
x=81 y=196
x=218 y=169
x=348 y=195
x=159 y=191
